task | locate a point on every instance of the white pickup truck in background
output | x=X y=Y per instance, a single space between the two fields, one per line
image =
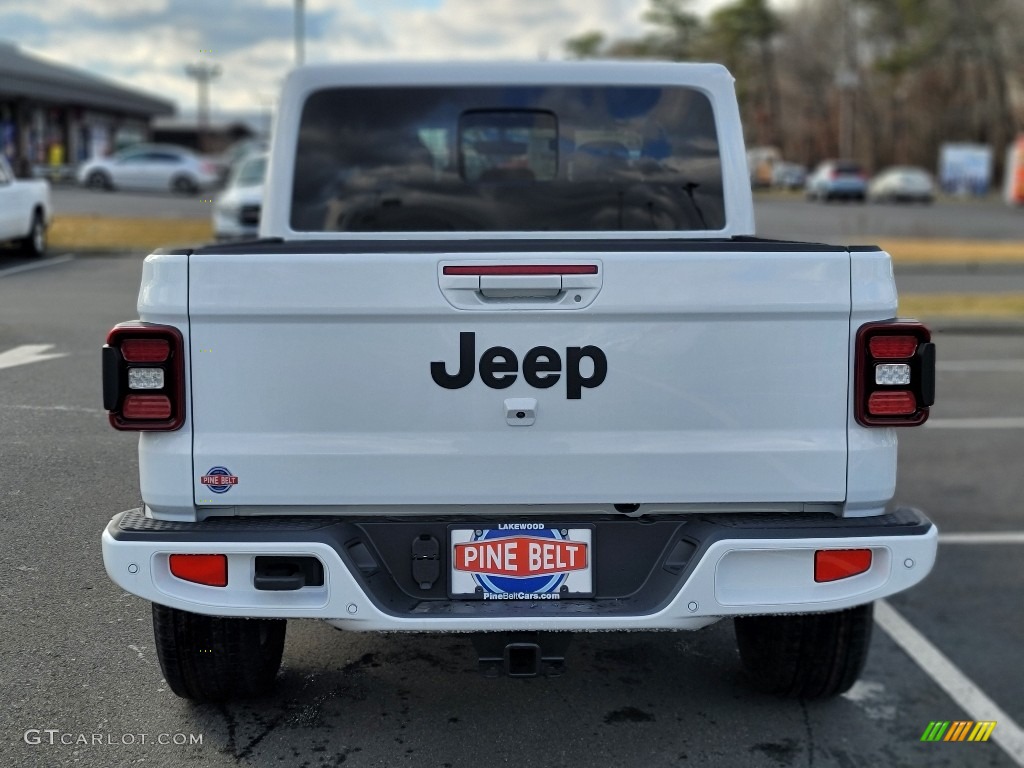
x=24 y=211
x=509 y=360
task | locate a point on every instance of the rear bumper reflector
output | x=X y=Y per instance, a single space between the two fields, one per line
x=836 y=564
x=211 y=570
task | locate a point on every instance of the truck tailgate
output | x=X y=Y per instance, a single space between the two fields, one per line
x=315 y=376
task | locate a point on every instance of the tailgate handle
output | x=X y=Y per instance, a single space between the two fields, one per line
x=520 y=286
x=540 y=286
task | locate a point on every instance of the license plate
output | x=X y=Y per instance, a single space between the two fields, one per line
x=521 y=561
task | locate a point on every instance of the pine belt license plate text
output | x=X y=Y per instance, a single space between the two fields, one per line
x=522 y=561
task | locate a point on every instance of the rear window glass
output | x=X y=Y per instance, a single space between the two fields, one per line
x=544 y=158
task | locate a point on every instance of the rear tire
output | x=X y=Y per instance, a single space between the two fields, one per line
x=183 y=185
x=211 y=658
x=807 y=656
x=34 y=245
x=99 y=180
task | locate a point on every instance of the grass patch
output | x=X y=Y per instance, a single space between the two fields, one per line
x=920 y=251
x=963 y=305
x=104 y=232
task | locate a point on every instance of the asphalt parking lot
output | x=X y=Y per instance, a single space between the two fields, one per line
x=77 y=657
x=789 y=216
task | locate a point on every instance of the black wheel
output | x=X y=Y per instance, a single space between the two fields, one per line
x=211 y=658
x=34 y=244
x=807 y=656
x=99 y=180
x=183 y=185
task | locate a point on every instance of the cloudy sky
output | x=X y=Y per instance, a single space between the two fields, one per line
x=147 y=43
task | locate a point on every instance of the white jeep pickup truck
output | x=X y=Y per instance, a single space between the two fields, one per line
x=508 y=360
x=24 y=211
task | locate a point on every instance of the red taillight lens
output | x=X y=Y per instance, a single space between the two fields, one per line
x=888 y=393
x=149 y=407
x=892 y=347
x=211 y=570
x=161 y=349
x=835 y=564
x=145 y=350
x=892 y=403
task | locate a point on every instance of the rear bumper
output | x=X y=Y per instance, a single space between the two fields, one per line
x=695 y=570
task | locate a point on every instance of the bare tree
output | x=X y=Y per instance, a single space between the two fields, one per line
x=743 y=35
x=917 y=73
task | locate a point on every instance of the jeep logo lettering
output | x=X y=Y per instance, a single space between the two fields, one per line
x=542 y=367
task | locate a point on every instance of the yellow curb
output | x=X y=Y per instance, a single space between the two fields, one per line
x=97 y=232
x=962 y=305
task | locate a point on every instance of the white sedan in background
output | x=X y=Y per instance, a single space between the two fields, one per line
x=157 y=167
x=24 y=210
x=902 y=184
x=236 y=212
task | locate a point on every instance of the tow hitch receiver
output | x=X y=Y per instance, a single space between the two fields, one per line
x=521 y=654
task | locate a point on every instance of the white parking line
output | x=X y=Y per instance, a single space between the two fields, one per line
x=980 y=366
x=994 y=537
x=58 y=408
x=995 y=422
x=37 y=265
x=28 y=353
x=948 y=676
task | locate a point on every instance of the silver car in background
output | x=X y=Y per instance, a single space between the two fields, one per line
x=902 y=184
x=788 y=175
x=236 y=212
x=837 y=180
x=156 y=167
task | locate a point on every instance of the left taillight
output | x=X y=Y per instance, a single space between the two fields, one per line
x=894 y=374
x=144 y=377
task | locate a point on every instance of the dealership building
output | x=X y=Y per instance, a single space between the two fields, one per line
x=53 y=115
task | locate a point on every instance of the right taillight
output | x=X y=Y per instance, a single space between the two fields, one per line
x=894 y=374
x=144 y=377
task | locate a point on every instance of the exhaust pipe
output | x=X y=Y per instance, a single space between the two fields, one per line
x=521 y=654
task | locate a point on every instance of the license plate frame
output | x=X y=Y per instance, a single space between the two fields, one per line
x=519 y=546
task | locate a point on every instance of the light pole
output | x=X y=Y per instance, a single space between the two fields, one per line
x=847 y=80
x=300 y=33
x=202 y=73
